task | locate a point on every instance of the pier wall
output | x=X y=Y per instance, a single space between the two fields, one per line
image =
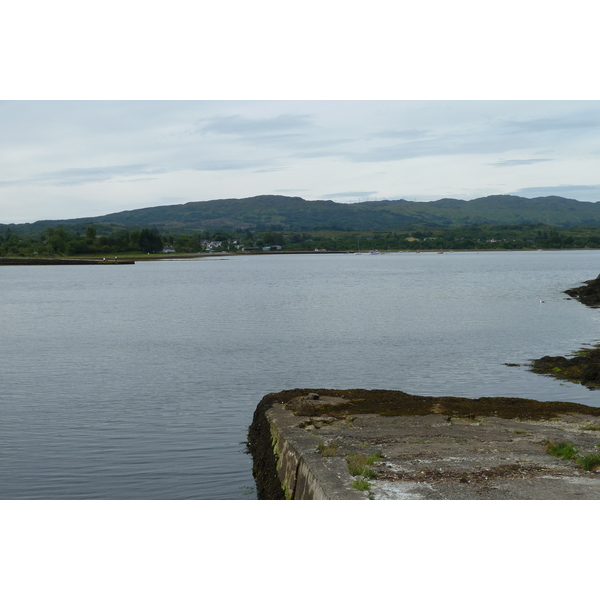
x=287 y=462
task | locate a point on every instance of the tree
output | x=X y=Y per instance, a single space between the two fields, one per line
x=271 y=238
x=90 y=233
x=150 y=241
x=58 y=240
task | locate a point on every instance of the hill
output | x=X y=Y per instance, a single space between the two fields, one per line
x=284 y=213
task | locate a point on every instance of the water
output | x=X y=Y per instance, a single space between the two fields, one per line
x=139 y=382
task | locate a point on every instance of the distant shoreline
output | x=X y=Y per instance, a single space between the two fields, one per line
x=130 y=260
x=64 y=261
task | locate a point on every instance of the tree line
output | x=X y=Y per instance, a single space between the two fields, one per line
x=59 y=242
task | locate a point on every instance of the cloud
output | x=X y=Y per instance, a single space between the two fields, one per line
x=476 y=140
x=172 y=199
x=243 y=126
x=553 y=124
x=589 y=193
x=270 y=169
x=416 y=149
x=234 y=165
x=144 y=153
x=82 y=176
x=480 y=135
x=129 y=173
x=350 y=194
x=518 y=162
x=402 y=133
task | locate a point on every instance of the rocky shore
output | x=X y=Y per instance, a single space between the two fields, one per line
x=381 y=444
x=584 y=366
x=588 y=294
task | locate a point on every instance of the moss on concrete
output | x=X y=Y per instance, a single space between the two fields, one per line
x=396 y=403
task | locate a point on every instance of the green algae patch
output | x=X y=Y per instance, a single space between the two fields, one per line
x=318 y=402
x=583 y=368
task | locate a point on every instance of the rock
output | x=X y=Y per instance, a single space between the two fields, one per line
x=588 y=294
x=591 y=374
x=584 y=368
x=304 y=405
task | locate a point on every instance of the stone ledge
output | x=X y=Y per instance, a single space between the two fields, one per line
x=452 y=448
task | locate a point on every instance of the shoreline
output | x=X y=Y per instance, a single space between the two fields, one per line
x=584 y=366
x=10 y=261
x=132 y=259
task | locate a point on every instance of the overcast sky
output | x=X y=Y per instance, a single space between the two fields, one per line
x=65 y=159
x=139 y=104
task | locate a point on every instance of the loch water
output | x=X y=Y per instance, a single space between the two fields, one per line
x=140 y=381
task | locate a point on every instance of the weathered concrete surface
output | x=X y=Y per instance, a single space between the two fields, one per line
x=303 y=473
x=443 y=453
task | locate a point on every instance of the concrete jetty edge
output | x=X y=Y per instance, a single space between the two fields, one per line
x=286 y=466
x=421 y=447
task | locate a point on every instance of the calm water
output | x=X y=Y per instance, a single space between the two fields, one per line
x=140 y=381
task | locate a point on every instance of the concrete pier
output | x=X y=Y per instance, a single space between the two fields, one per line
x=305 y=443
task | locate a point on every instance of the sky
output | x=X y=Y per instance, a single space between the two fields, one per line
x=130 y=105
x=146 y=104
x=82 y=158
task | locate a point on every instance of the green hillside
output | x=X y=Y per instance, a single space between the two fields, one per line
x=284 y=213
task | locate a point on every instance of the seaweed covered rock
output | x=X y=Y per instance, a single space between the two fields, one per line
x=588 y=294
x=591 y=375
x=583 y=368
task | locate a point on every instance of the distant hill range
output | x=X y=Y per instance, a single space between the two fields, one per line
x=286 y=213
